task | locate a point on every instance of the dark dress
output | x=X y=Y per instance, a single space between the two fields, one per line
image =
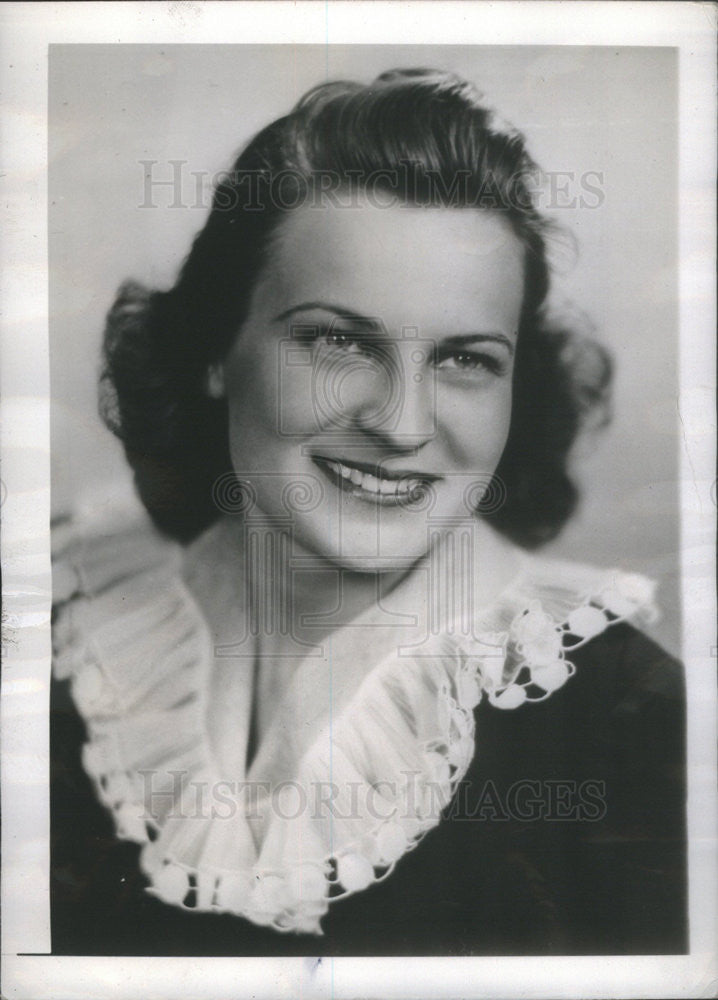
x=566 y=837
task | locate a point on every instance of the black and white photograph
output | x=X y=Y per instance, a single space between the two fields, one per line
x=379 y=512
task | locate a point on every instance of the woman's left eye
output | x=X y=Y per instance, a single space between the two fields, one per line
x=469 y=362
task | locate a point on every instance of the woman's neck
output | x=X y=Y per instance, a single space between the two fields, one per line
x=264 y=595
x=270 y=604
x=260 y=589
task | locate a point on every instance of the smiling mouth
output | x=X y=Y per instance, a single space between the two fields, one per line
x=375 y=485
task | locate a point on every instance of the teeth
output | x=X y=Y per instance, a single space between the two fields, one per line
x=372 y=484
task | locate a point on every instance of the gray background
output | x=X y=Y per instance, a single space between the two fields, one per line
x=583 y=109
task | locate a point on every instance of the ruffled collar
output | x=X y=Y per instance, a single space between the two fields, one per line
x=365 y=749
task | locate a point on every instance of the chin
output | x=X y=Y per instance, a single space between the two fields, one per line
x=366 y=551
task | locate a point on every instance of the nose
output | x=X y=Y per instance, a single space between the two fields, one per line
x=398 y=402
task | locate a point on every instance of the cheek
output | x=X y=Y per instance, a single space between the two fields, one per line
x=250 y=403
x=476 y=428
x=269 y=390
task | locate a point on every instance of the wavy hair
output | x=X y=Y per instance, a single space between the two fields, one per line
x=422 y=137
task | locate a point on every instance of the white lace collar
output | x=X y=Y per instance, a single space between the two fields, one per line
x=359 y=763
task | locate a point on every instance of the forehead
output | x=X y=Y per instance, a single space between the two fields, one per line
x=424 y=265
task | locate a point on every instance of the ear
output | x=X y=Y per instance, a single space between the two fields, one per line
x=215 y=381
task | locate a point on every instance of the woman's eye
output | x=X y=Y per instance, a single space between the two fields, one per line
x=465 y=361
x=339 y=338
x=347 y=341
x=468 y=362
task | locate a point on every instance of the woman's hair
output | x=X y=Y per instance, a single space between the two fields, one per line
x=417 y=137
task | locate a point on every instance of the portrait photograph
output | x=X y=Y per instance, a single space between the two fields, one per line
x=372 y=623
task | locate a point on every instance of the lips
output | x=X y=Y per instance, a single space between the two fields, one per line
x=375 y=484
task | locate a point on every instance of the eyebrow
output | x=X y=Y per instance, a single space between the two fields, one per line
x=456 y=340
x=331 y=307
x=464 y=339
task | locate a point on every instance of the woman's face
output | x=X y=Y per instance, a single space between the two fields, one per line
x=369 y=389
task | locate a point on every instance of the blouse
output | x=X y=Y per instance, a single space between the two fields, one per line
x=514 y=785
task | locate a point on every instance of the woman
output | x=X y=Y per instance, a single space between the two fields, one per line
x=330 y=692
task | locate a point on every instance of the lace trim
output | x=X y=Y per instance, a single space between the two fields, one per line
x=138 y=677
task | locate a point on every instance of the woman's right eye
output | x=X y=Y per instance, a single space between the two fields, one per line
x=340 y=338
x=346 y=340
